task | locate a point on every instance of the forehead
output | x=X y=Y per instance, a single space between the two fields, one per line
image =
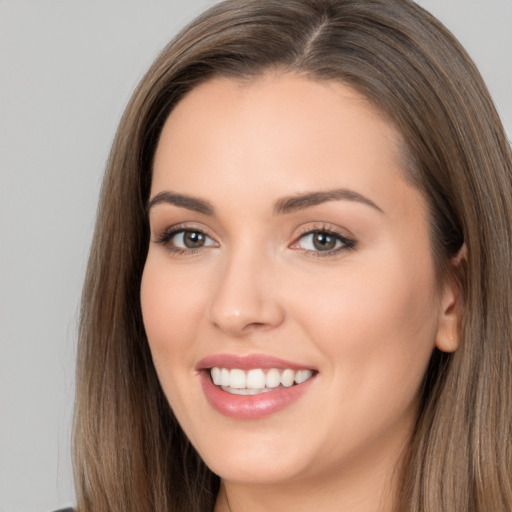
x=277 y=100
x=280 y=132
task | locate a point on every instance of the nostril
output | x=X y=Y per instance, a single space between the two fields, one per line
x=256 y=325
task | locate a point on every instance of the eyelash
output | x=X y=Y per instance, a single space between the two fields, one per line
x=166 y=237
x=347 y=244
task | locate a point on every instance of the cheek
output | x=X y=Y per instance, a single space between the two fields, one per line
x=169 y=302
x=375 y=324
x=171 y=306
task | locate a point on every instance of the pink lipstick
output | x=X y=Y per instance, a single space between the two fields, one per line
x=252 y=386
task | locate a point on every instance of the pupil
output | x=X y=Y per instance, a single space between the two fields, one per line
x=193 y=239
x=324 y=242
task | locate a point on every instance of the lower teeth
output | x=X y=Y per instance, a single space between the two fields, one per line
x=245 y=391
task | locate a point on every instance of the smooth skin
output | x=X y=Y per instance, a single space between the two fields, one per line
x=365 y=310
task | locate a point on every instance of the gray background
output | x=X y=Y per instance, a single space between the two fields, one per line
x=67 y=69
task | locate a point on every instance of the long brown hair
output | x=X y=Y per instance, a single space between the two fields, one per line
x=130 y=453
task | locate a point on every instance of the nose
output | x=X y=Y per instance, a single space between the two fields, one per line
x=246 y=298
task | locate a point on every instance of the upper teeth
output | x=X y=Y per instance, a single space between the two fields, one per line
x=258 y=378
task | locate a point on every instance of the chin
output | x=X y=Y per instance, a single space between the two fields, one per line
x=254 y=459
x=254 y=472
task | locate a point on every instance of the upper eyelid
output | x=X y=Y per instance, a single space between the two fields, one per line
x=344 y=239
x=315 y=227
x=182 y=226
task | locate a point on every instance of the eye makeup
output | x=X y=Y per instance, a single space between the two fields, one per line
x=322 y=241
x=316 y=241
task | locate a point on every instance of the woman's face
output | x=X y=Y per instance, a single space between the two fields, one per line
x=286 y=246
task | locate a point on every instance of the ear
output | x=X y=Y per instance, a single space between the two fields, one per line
x=450 y=311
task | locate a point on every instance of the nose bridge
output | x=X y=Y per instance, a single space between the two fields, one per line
x=245 y=298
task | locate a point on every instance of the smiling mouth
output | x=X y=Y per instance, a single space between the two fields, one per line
x=257 y=380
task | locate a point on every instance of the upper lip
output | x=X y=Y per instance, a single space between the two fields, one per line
x=248 y=361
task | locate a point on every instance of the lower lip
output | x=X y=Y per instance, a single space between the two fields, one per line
x=251 y=407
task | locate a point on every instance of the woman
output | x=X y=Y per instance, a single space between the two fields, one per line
x=299 y=288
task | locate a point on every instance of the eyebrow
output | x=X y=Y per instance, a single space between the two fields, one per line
x=282 y=206
x=304 y=201
x=183 y=201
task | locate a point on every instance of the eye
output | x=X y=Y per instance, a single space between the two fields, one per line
x=183 y=240
x=191 y=239
x=323 y=241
